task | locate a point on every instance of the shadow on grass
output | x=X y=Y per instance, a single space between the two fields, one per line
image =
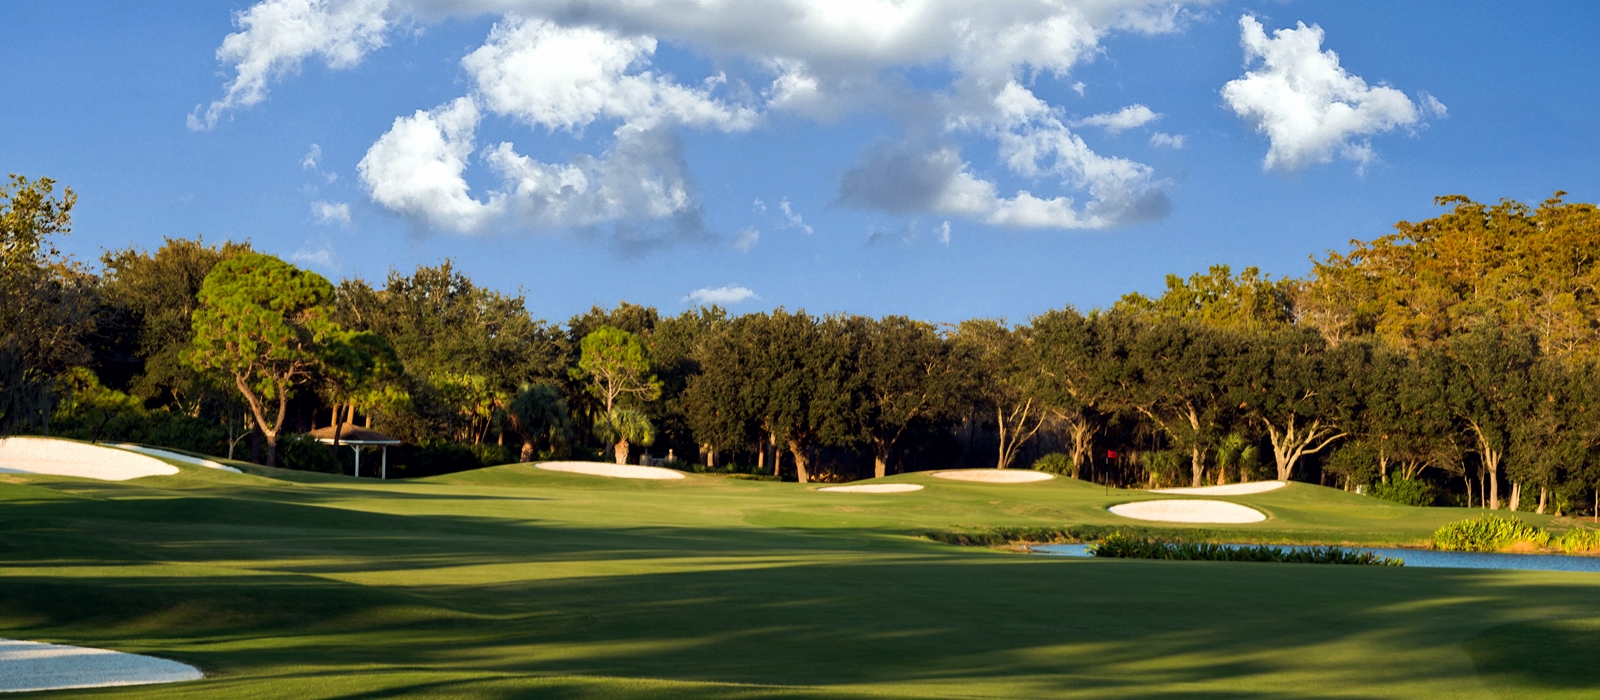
x=582 y=611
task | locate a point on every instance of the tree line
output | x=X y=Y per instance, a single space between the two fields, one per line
x=1452 y=361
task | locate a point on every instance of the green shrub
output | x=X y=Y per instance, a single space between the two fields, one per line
x=1124 y=546
x=1410 y=492
x=1576 y=541
x=304 y=453
x=1487 y=534
x=1054 y=463
x=489 y=455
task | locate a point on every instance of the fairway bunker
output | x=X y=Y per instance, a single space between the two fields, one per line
x=28 y=666
x=994 y=476
x=177 y=457
x=1243 y=489
x=615 y=471
x=1184 y=510
x=32 y=455
x=873 y=488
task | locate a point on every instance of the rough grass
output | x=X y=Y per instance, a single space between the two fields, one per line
x=515 y=582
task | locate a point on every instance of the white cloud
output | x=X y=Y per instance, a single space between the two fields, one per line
x=570 y=67
x=323 y=257
x=331 y=213
x=276 y=36
x=746 y=239
x=721 y=296
x=418 y=167
x=944 y=233
x=1130 y=117
x=1306 y=103
x=1432 y=107
x=564 y=78
x=1164 y=140
x=794 y=219
x=941 y=182
x=312 y=158
x=642 y=176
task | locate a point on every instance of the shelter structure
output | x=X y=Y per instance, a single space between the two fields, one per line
x=357 y=437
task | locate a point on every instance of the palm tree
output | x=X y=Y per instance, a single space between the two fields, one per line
x=623 y=427
x=539 y=411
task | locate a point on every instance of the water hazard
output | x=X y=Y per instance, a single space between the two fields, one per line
x=1415 y=557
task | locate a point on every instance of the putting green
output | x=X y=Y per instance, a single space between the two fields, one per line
x=516 y=581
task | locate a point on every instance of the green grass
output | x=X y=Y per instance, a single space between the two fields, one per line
x=516 y=582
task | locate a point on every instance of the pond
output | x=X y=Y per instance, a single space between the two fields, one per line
x=1415 y=557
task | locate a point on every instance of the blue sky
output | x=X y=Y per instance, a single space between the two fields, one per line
x=903 y=170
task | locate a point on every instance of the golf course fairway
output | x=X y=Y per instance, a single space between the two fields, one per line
x=520 y=582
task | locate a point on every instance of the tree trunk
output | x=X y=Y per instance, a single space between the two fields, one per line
x=1544 y=498
x=799 y=453
x=1291 y=443
x=1516 y=495
x=527 y=450
x=1468 y=480
x=622 y=451
x=1197 y=464
x=880 y=458
x=1081 y=431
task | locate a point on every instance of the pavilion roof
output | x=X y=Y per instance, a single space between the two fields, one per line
x=352 y=434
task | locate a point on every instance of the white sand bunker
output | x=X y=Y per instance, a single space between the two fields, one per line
x=994 y=476
x=26 y=666
x=873 y=488
x=619 y=471
x=177 y=457
x=34 y=455
x=1187 y=510
x=1229 y=489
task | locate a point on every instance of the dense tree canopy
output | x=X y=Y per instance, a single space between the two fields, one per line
x=266 y=324
x=1455 y=359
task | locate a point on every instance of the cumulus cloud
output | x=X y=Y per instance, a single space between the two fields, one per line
x=331 y=213
x=1130 y=117
x=721 y=296
x=312 y=158
x=560 y=79
x=566 y=69
x=907 y=180
x=276 y=36
x=1308 y=105
x=418 y=168
x=564 y=78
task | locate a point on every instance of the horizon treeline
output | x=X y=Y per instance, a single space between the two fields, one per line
x=1453 y=361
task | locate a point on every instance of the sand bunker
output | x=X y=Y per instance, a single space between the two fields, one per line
x=1188 y=511
x=177 y=457
x=874 y=488
x=618 y=471
x=1229 y=489
x=34 y=455
x=994 y=476
x=28 y=666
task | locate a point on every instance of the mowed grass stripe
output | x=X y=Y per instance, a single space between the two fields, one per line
x=514 y=582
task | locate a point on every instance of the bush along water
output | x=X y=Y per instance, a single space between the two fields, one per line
x=1125 y=546
x=1577 y=541
x=1488 y=533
